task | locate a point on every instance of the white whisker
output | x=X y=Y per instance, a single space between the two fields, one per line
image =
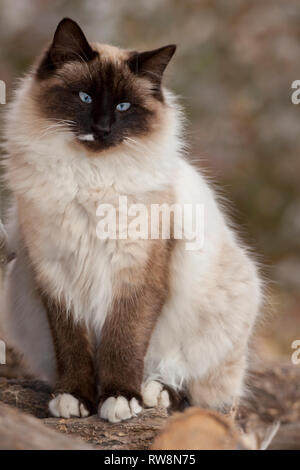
x=87 y=137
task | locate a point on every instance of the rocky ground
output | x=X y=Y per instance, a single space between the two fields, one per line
x=273 y=402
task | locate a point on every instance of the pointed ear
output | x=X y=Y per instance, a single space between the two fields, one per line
x=69 y=43
x=151 y=63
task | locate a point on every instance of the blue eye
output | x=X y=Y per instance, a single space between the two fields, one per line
x=85 y=97
x=123 y=106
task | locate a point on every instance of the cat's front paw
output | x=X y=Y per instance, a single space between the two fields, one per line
x=154 y=395
x=65 y=405
x=116 y=409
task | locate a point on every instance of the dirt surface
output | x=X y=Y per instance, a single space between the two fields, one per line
x=274 y=396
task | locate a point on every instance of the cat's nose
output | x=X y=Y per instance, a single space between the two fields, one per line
x=101 y=129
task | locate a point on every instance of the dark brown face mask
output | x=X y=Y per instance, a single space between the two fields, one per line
x=103 y=101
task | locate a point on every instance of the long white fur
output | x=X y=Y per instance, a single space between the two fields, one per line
x=214 y=293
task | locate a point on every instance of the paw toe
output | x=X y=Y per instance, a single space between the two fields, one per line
x=164 y=399
x=83 y=411
x=135 y=407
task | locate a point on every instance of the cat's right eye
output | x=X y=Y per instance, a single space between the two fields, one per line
x=85 y=98
x=124 y=106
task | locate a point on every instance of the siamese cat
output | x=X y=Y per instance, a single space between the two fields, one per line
x=117 y=324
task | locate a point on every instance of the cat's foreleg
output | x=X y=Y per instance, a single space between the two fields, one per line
x=126 y=334
x=75 y=389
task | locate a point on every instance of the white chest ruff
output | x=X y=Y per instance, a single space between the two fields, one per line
x=77 y=266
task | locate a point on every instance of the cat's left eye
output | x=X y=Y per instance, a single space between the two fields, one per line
x=123 y=106
x=85 y=97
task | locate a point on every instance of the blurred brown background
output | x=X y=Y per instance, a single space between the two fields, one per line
x=234 y=67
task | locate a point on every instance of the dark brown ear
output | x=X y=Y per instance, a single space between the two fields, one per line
x=151 y=63
x=69 y=44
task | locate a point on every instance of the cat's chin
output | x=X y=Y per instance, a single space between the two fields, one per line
x=96 y=145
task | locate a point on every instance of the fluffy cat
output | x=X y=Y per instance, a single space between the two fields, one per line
x=117 y=323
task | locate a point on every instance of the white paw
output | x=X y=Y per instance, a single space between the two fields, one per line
x=65 y=405
x=118 y=409
x=154 y=395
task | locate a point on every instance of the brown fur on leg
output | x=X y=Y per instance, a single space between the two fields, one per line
x=128 y=328
x=74 y=356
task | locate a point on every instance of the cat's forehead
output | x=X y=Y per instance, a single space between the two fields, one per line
x=109 y=68
x=109 y=63
x=110 y=53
